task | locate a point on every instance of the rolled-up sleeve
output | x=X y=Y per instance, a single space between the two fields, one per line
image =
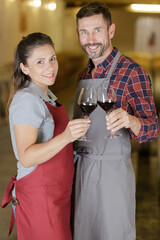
x=140 y=98
x=25 y=109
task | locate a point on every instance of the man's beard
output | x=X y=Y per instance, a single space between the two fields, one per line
x=94 y=55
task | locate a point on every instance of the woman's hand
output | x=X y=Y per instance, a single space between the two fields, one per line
x=75 y=129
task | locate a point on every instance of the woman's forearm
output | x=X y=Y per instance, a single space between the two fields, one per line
x=42 y=152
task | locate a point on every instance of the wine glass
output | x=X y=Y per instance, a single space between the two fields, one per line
x=87 y=102
x=107 y=100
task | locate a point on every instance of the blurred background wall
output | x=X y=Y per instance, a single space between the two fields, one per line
x=20 y=17
x=137 y=35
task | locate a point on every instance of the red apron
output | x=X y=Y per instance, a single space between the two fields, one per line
x=43 y=196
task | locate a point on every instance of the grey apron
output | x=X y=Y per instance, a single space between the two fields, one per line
x=105 y=180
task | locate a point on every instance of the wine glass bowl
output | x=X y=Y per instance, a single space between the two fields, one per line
x=87 y=102
x=107 y=100
x=107 y=106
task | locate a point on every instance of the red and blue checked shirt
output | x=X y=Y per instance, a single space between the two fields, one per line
x=133 y=89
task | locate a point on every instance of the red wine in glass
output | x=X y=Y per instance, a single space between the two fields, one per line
x=107 y=106
x=87 y=102
x=87 y=108
x=107 y=100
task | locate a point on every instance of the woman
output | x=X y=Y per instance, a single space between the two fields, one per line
x=42 y=139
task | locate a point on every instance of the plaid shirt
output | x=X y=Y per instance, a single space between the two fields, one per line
x=133 y=89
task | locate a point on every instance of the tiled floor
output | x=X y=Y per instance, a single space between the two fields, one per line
x=145 y=164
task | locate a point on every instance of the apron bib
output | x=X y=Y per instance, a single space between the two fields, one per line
x=43 y=196
x=105 y=181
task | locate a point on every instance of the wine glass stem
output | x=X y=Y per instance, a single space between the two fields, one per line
x=85 y=117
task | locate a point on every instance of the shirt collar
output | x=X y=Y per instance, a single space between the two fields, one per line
x=105 y=63
x=50 y=98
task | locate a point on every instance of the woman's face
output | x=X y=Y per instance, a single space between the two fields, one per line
x=42 y=66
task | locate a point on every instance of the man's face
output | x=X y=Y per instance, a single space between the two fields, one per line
x=95 y=36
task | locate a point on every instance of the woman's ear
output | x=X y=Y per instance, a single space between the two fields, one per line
x=24 y=68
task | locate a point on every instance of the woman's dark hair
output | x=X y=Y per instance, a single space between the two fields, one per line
x=23 y=51
x=94 y=8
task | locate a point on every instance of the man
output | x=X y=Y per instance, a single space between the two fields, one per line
x=105 y=181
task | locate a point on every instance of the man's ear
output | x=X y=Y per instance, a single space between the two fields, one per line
x=112 y=30
x=24 y=68
x=77 y=32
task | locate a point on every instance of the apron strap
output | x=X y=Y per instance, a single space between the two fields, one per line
x=113 y=65
x=101 y=157
x=8 y=193
x=12 y=221
x=6 y=200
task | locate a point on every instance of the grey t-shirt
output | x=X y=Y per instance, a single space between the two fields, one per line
x=28 y=107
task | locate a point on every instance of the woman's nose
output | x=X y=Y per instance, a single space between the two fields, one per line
x=50 y=65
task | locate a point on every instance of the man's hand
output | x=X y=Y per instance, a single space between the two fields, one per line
x=119 y=118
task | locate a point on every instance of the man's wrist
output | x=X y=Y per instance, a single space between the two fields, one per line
x=135 y=125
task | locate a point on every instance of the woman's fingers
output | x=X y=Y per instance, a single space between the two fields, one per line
x=77 y=128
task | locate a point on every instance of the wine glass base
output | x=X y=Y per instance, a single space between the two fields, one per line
x=113 y=136
x=84 y=139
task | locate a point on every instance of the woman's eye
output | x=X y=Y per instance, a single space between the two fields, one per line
x=53 y=58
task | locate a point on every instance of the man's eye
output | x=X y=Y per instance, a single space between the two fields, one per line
x=84 y=32
x=97 y=30
x=40 y=62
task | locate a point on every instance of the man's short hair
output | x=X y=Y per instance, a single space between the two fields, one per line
x=95 y=8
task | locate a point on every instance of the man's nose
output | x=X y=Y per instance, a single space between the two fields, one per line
x=91 y=38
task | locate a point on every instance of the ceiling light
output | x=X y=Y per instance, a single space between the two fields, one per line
x=150 y=8
x=35 y=3
x=51 y=6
